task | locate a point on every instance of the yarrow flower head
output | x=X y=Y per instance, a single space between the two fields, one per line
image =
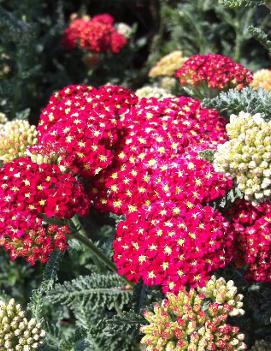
x=43 y=188
x=152 y=245
x=246 y=156
x=262 y=79
x=29 y=192
x=191 y=320
x=252 y=225
x=16 y=331
x=85 y=125
x=168 y=65
x=152 y=91
x=15 y=137
x=97 y=34
x=216 y=72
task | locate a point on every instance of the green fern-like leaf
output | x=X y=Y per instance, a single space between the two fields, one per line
x=239 y=3
x=95 y=290
x=261 y=36
x=247 y=100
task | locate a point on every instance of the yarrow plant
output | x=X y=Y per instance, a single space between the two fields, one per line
x=246 y=156
x=97 y=34
x=193 y=320
x=206 y=75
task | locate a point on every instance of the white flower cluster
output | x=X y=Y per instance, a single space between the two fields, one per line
x=15 y=137
x=3 y=118
x=221 y=292
x=124 y=29
x=16 y=332
x=247 y=155
x=149 y=91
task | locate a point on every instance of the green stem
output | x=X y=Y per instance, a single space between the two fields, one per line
x=82 y=236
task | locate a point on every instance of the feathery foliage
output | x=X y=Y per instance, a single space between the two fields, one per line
x=247 y=100
x=98 y=290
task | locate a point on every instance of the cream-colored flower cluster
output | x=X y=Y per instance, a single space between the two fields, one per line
x=16 y=332
x=193 y=321
x=168 y=65
x=124 y=29
x=262 y=79
x=222 y=291
x=149 y=91
x=261 y=345
x=247 y=155
x=3 y=118
x=15 y=137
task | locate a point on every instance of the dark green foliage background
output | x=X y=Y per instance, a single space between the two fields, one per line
x=92 y=310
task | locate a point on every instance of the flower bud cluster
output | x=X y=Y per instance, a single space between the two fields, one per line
x=17 y=333
x=247 y=155
x=222 y=291
x=15 y=137
x=3 y=119
x=149 y=91
x=168 y=65
x=262 y=79
x=189 y=321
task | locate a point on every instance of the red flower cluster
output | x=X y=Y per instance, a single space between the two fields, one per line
x=96 y=34
x=28 y=191
x=86 y=125
x=27 y=186
x=182 y=122
x=25 y=235
x=172 y=245
x=188 y=180
x=253 y=226
x=148 y=164
x=216 y=71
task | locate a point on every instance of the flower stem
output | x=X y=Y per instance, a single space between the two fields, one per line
x=81 y=235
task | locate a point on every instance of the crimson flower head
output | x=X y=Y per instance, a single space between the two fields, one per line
x=252 y=225
x=172 y=246
x=29 y=194
x=97 y=35
x=41 y=189
x=25 y=235
x=125 y=188
x=213 y=71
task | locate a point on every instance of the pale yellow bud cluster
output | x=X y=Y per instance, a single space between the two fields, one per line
x=262 y=79
x=150 y=91
x=15 y=137
x=3 y=118
x=222 y=291
x=17 y=333
x=193 y=321
x=168 y=65
x=247 y=155
x=124 y=29
x=261 y=345
x=167 y=83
